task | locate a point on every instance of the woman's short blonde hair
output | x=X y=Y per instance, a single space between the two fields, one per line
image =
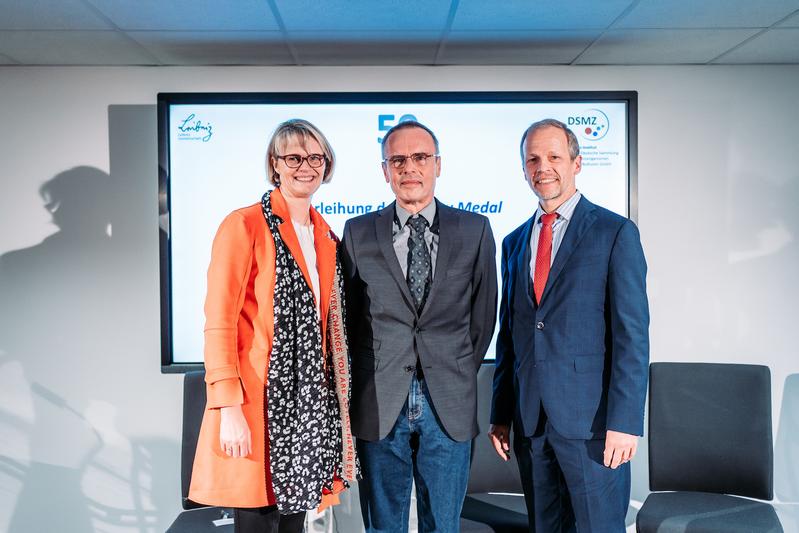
x=302 y=130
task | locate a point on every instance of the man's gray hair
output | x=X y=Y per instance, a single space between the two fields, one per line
x=574 y=145
x=404 y=125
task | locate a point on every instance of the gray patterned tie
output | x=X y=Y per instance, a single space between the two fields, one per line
x=419 y=263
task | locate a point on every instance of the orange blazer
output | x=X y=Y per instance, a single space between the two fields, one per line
x=239 y=328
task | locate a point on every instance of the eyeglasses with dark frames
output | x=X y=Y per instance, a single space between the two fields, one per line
x=399 y=161
x=296 y=160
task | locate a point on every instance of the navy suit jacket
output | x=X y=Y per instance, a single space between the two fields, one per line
x=584 y=352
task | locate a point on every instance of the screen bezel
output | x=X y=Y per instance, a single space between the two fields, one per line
x=165 y=100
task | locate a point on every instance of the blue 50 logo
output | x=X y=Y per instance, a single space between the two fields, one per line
x=386 y=122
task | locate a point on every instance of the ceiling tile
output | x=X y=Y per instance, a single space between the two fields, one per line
x=779 y=45
x=790 y=22
x=707 y=13
x=215 y=48
x=189 y=15
x=395 y=32
x=659 y=47
x=527 y=15
x=365 y=48
x=72 y=48
x=50 y=15
x=364 y=15
x=515 y=48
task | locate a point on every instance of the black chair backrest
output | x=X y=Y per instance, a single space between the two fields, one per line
x=193 y=408
x=488 y=472
x=710 y=429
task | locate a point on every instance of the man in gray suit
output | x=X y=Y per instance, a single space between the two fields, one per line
x=421 y=291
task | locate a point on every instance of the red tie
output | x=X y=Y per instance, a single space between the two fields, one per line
x=543 y=256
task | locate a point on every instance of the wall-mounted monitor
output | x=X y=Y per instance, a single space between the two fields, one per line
x=212 y=160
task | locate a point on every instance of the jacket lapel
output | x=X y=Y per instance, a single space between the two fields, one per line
x=582 y=219
x=523 y=255
x=325 y=246
x=287 y=233
x=383 y=227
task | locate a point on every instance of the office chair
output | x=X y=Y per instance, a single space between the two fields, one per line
x=494 y=500
x=709 y=443
x=196 y=518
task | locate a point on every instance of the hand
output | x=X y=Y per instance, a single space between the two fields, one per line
x=500 y=438
x=619 y=448
x=234 y=433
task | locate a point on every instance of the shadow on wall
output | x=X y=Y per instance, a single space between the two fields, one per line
x=762 y=294
x=786 y=448
x=78 y=339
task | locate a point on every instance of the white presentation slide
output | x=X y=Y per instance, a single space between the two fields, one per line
x=217 y=164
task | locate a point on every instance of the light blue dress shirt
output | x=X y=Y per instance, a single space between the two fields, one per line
x=565 y=213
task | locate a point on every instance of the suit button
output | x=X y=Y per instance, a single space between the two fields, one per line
x=417 y=330
x=410 y=369
x=539 y=325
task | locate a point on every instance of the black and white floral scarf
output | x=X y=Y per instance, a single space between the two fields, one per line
x=308 y=388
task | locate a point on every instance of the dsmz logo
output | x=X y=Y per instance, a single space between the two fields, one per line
x=591 y=124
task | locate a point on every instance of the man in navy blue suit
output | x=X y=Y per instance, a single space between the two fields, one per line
x=573 y=346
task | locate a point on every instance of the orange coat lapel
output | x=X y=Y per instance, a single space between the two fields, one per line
x=325 y=252
x=280 y=208
x=326 y=263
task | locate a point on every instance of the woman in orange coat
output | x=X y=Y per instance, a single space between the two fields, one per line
x=275 y=439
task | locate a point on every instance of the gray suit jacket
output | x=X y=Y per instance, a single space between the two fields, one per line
x=386 y=334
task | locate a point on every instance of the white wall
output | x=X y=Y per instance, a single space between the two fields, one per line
x=90 y=429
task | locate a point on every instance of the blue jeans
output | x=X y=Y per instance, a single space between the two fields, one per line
x=417 y=449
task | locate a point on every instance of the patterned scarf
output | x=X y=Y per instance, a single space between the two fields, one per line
x=308 y=389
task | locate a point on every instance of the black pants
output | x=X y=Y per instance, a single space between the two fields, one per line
x=267 y=520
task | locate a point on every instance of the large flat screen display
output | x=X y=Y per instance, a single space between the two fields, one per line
x=212 y=160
